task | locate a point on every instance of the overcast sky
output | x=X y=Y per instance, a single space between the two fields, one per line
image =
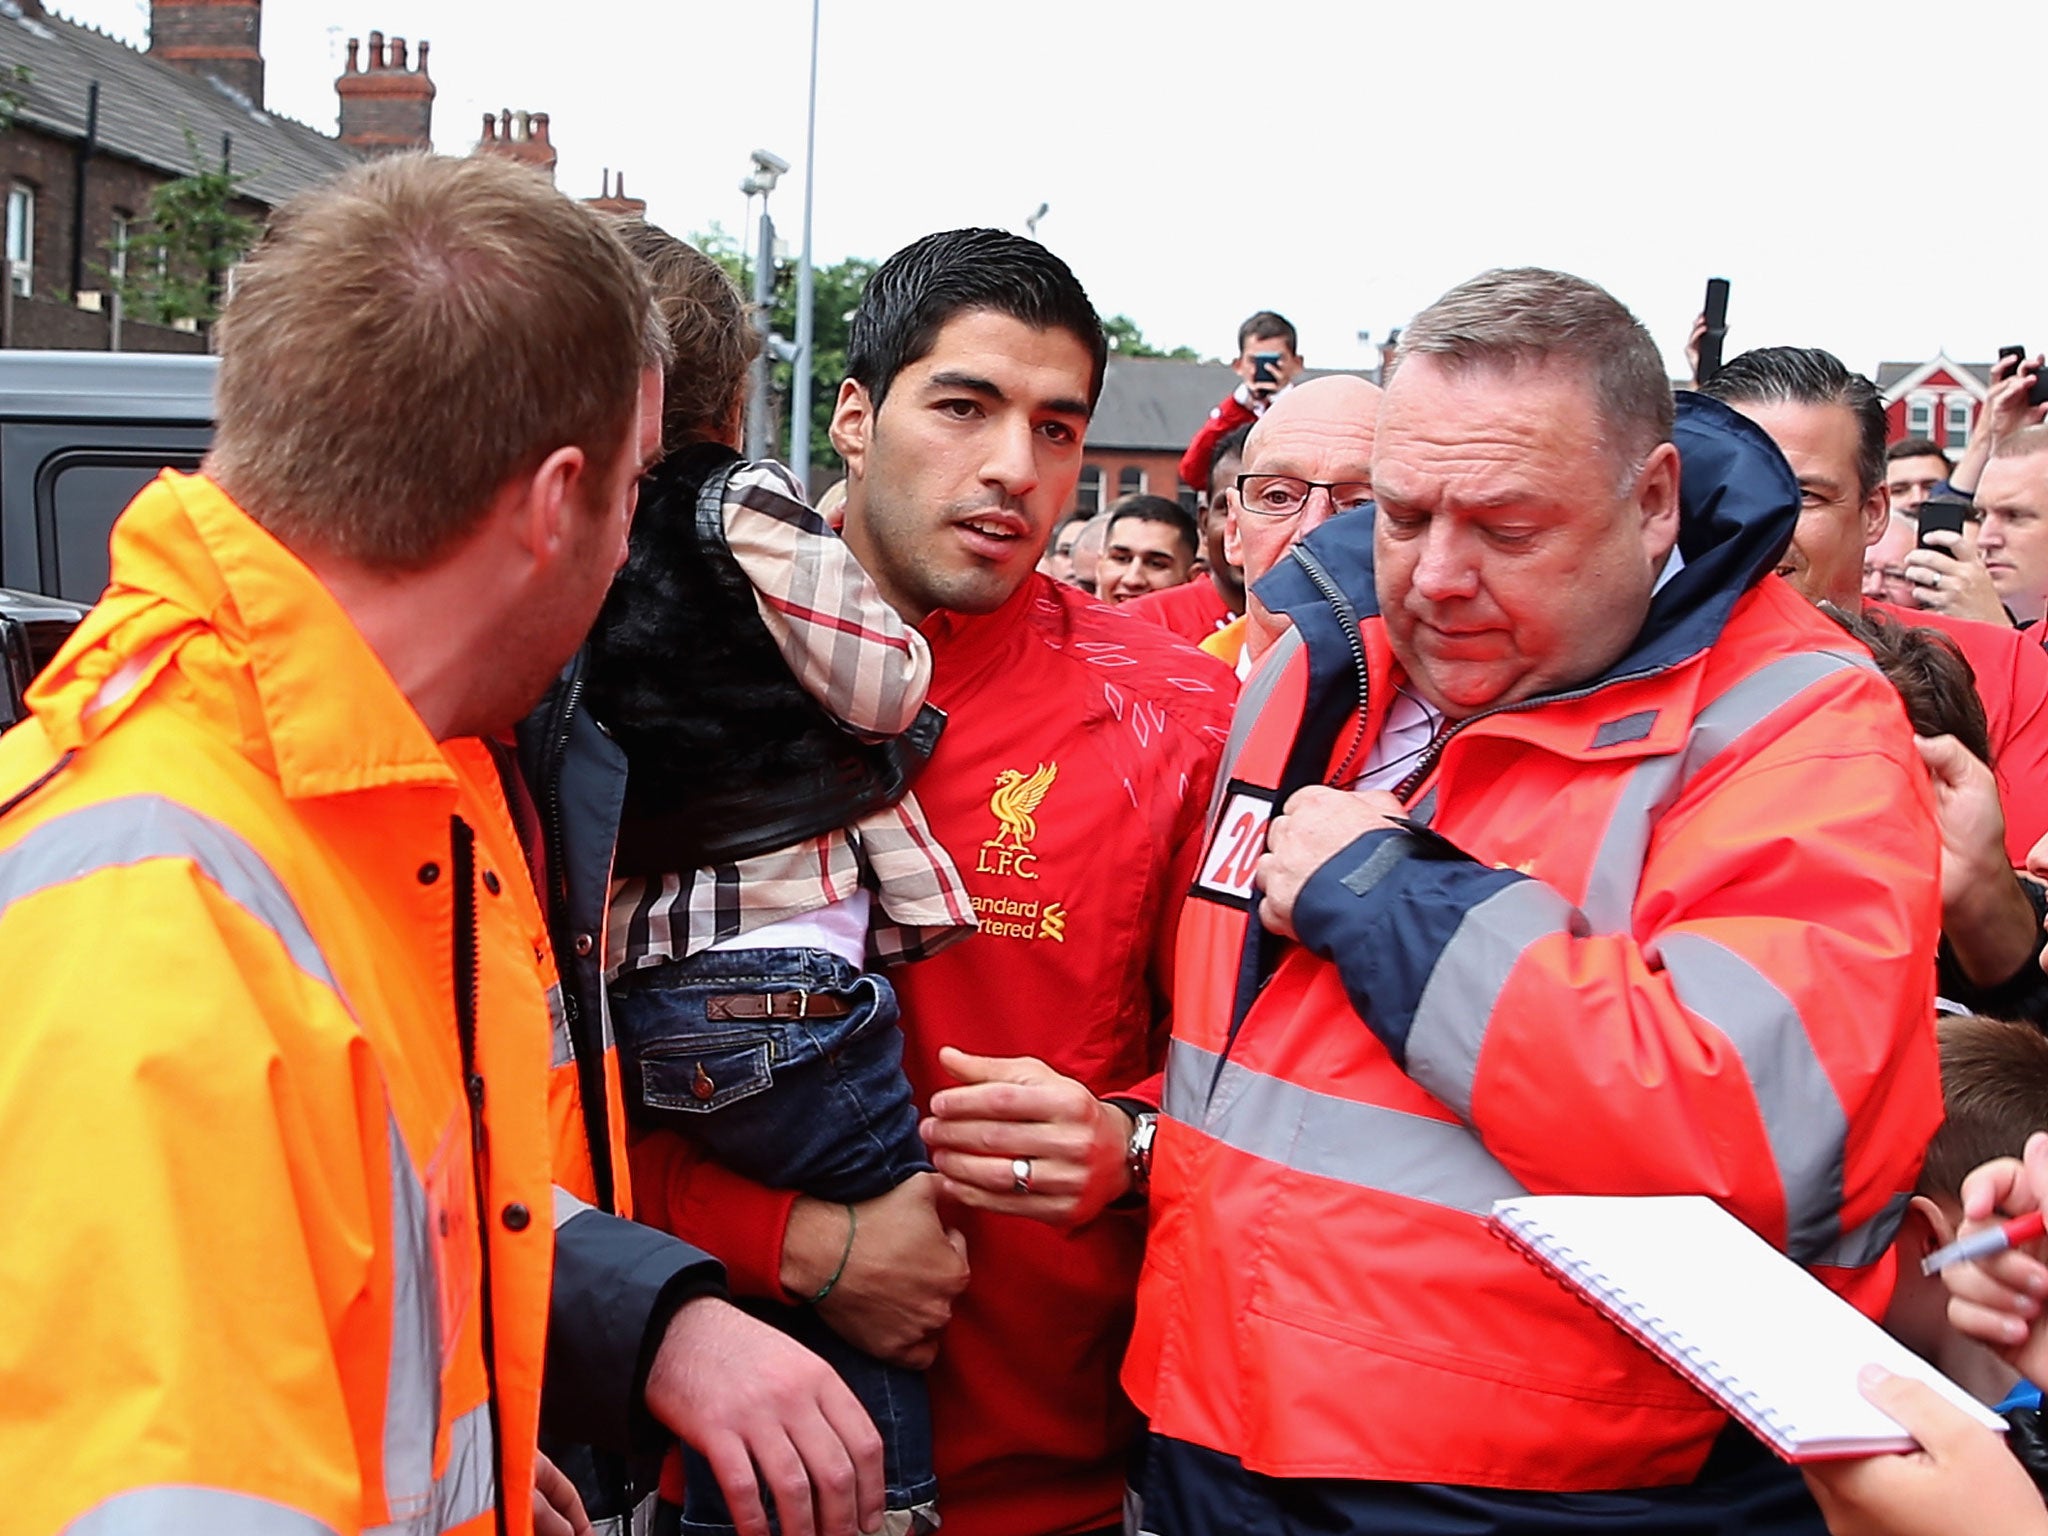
x=1342 y=161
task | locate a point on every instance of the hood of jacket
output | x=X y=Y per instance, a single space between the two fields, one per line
x=1738 y=502
x=198 y=586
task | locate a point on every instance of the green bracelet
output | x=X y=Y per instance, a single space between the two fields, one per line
x=852 y=1226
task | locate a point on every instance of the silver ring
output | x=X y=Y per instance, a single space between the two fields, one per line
x=1020 y=1175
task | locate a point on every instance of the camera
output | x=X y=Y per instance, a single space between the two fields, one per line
x=768 y=169
x=1264 y=365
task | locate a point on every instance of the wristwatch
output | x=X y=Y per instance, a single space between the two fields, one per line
x=1138 y=1152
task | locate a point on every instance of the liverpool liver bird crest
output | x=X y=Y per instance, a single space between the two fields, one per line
x=1016 y=798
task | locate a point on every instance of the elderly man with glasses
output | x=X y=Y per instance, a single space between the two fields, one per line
x=1308 y=459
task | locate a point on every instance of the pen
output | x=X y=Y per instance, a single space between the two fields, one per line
x=1981 y=1245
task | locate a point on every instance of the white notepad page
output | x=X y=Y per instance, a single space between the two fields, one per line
x=1775 y=1346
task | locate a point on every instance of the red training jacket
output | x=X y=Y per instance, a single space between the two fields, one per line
x=1195 y=610
x=1226 y=417
x=1118 y=727
x=2012 y=681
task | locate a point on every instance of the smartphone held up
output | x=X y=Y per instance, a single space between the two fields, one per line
x=1714 y=314
x=2037 y=394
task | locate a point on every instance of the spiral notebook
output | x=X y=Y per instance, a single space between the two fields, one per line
x=1746 y=1325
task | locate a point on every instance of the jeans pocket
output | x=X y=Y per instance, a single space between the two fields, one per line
x=696 y=1077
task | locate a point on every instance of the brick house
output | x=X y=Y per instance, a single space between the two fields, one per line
x=1936 y=399
x=1151 y=408
x=98 y=125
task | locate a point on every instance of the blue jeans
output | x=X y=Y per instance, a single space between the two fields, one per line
x=818 y=1105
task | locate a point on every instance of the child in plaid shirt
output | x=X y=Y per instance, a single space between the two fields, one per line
x=771 y=705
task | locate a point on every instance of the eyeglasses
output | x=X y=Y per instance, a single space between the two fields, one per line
x=1286 y=495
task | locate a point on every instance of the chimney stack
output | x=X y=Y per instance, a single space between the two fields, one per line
x=520 y=136
x=386 y=106
x=613 y=200
x=221 y=39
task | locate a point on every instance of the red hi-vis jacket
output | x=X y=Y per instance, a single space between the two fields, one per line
x=1665 y=933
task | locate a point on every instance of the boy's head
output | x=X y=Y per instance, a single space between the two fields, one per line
x=1934 y=679
x=1994 y=1089
x=714 y=344
x=1148 y=545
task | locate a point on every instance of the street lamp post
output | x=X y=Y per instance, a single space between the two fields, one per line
x=768 y=170
x=800 y=373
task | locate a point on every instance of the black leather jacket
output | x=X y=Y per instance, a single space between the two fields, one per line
x=731 y=757
x=616 y=1283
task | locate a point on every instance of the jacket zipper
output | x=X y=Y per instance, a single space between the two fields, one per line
x=40 y=780
x=462 y=869
x=551 y=810
x=1348 y=616
x=589 y=1059
x=1435 y=749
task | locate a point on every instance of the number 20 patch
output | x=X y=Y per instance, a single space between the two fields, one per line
x=1235 y=846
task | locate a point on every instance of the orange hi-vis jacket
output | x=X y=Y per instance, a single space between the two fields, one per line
x=282 y=1212
x=1667 y=932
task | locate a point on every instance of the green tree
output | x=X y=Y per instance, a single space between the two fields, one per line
x=13 y=94
x=1126 y=340
x=186 y=243
x=835 y=290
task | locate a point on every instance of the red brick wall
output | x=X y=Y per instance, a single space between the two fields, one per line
x=46 y=323
x=222 y=38
x=387 y=105
x=49 y=165
x=1161 y=470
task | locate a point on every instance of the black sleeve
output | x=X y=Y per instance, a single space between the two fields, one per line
x=616 y=1286
x=2022 y=995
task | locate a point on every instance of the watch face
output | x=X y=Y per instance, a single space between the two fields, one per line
x=1138 y=1157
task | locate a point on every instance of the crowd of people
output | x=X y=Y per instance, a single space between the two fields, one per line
x=558 y=986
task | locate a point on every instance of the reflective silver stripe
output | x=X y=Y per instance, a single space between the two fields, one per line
x=1251 y=703
x=1865 y=1245
x=467 y=1489
x=412 y=1389
x=463 y=1492
x=639 y=1523
x=564 y=1050
x=1464 y=986
x=1367 y=1145
x=1803 y=1118
x=139 y=829
x=1655 y=783
x=185 y=1510
x=568 y=1207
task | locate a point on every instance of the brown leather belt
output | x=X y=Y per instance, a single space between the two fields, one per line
x=730 y=1006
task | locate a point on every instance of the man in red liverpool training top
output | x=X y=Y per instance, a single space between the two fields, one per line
x=1070 y=787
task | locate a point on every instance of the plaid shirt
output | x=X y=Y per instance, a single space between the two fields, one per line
x=869 y=669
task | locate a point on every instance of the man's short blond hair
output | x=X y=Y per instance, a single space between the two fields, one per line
x=409 y=337
x=2022 y=444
